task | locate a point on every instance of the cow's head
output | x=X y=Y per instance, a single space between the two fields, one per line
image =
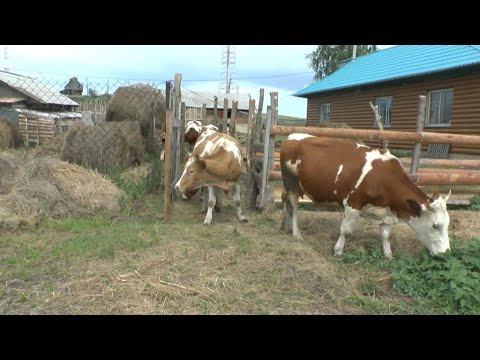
x=196 y=175
x=431 y=223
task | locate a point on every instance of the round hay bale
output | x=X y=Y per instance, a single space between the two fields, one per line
x=131 y=130
x=96 y=147
x=9 y=137
x=50 y=147
x=141 y=103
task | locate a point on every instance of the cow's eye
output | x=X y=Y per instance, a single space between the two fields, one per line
x=436 y=226
x=191 y=172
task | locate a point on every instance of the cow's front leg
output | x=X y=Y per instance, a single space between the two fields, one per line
x=350 y=218
x=385 y=233
x=211 y=204
x=218 y=203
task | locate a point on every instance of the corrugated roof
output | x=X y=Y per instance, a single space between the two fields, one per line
x=402 y=61
x=50 y=115
x=198 y=98
x=41 y=92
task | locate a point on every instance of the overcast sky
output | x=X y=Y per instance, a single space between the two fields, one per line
x=281 y=68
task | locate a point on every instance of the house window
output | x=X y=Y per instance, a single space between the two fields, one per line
x=440 y=107
x=324 y=112
x=384 y=110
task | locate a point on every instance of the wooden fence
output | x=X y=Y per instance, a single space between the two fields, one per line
x=262 y=167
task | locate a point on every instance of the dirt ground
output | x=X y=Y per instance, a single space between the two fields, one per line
x=135 y=264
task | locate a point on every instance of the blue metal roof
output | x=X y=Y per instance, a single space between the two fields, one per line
x=402 y=61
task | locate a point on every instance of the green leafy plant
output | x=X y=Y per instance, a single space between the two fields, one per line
x=446 y=284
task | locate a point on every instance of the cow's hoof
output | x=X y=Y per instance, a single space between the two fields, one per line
x=338 y=253
x=243 y=219
x=389 y=256
x=207 y=222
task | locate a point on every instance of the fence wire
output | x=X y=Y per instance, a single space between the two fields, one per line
x=99 y=124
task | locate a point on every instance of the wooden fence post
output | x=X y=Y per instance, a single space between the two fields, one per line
x=269 y=152
x=417 y=148
x=224 y=127
x=176 y=132
x=266 y=149
x=167 y=162
x=249 y=187
x=204 y=115
x=258 y=127
x=182 y=132
x=233 y=118
x=215 y=111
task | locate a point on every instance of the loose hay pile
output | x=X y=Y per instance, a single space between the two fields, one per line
x=9 y=137
x=140 y=103
x=30 y=188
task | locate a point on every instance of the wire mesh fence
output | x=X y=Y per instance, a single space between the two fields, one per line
x=97 y=124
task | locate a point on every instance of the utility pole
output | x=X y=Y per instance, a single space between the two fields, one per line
x=228 y=68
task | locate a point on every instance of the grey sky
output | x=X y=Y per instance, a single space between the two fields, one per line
x=281 y=68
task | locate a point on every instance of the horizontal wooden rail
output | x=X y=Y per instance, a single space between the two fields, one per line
x=359 y=134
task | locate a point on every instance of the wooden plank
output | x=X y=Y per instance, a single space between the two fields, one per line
x=424 y=137
x=183 y=150
x=224 y=128
x=204 y=115
x=215 y=111
x=167 y=166
x=268 y=147
x=258 y=123
x=249 y=186
x=444 y=162
x=233 y=118
x=417 y=148
x=176 y=135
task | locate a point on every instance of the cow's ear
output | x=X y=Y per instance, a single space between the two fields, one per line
x=435 y=196
x=415 y=207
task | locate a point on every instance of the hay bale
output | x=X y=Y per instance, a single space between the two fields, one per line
x=9 y=137
x=48 y=186
x=96 y=147
x=131 y=130
x=51 y=147
x=139 y=103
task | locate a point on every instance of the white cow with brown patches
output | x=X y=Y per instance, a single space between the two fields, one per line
x=215 y=162
x=369 y=183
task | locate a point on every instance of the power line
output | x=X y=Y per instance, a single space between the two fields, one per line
x=163 y=80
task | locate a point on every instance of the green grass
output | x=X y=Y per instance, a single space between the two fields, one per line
x=447 y=284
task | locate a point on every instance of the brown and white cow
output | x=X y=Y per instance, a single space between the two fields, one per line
x=216 y=163
x=192 y=131
x=367 y=182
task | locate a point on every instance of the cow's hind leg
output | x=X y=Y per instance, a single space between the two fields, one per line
x=211 y=204
x=218 y=203
x=236 y=199
x=204 y=198
x=385 y=233
x=350 y=218
x=287 y=214
x=292 y=208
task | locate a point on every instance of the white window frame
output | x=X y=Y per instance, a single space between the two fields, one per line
x=429 y=98
x=390 y=113
x=320 y=113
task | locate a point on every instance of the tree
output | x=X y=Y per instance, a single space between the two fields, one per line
x=92 y=92
x=325 y=59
